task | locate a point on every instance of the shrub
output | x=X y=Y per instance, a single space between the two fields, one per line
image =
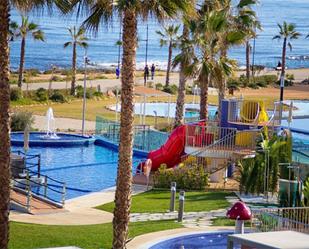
x=32 y=72
x=188 y=178
x=97 y=94
x=159 y=86
x=80 y=92
x=57 y=96
x=15 y=94
x=270 y=79
x=253 y=85
x=41 y=94
x=20 y=120
x=171 y=89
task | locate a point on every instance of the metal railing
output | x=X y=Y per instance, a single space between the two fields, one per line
x=32 y=161
x=44 y=188
x=249 y=112
x=279 y=219
x=204 y=136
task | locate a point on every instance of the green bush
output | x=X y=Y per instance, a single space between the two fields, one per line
x=269 y=79
x=57 y=96
x=171 y=89
x=97 y=94
x=41 y=94
x=80 y=92
x=20 y=120
x=187 y=178
x=159 y=86
x=32 y=72
x=253 y=85
x=15 y=94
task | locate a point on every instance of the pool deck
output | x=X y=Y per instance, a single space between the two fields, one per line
x=147 y=240
x=78 y=211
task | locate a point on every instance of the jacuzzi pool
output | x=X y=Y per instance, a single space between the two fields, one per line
x=211 y=240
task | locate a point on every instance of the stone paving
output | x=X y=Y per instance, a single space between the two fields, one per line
x=190 y=219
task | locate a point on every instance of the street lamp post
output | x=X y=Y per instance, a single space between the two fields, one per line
x=85 y=91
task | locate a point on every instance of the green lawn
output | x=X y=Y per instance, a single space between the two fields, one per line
x=158 y=201
x=28 y=236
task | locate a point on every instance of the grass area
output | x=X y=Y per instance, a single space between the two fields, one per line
x=28 y=236
x=223 y=222
x=158 y=201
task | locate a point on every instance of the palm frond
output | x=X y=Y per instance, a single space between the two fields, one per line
x=65 y=45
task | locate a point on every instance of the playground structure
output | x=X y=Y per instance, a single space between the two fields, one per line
x=218 y=145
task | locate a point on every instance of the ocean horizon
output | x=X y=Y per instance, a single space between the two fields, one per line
x=103 y=51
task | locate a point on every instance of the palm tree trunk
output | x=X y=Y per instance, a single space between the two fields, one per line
x=4 y=125
x=22 y=62
x=204 y=80
x=73 y=82
x=283 y=68
x=124 y=174
x=248 y=61
x=221 y=96
x=179 y=118
x=169 y=62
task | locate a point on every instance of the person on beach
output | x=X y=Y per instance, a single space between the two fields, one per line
x=117 y=73
x=153 y=69
x=146 y=74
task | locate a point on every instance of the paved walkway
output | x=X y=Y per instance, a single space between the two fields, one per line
x=78 y=211
x=63 y=124
x=105 y=84
x=190 y=219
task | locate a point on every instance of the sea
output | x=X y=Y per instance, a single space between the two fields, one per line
x=103 y=51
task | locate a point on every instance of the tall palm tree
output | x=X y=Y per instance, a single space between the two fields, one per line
x=169 y=37
x=23 y=31
x=183 y=59
x=78 y=38
x=4 y=125
x=287 y=32
x=246 y=20
x=102 y=11
x=5 y=36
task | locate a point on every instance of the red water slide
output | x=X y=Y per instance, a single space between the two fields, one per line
x=170 y=153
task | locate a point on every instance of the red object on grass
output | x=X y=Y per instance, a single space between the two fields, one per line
x=239 y=211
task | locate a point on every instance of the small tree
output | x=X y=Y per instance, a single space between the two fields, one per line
x=169 y=37
x=78 y=39
x=288 y=33
x=23 y=31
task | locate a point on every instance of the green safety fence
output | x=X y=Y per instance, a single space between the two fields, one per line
x=145 y=138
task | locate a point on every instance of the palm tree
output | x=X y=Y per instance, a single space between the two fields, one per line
x=78 y=38
x=288 y=33
x=183 y=59
x=247 y=21
x=169 y=37
x=23 y=31
x=102 y=11
x=4 y=124
x=5 y=149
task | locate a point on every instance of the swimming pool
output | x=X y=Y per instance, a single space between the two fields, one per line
x=84 y=169
x=216 y=240
x=164 y=109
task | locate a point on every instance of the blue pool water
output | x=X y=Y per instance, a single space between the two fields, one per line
x=165 y=110
x=84 y=169
x=195 y=241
